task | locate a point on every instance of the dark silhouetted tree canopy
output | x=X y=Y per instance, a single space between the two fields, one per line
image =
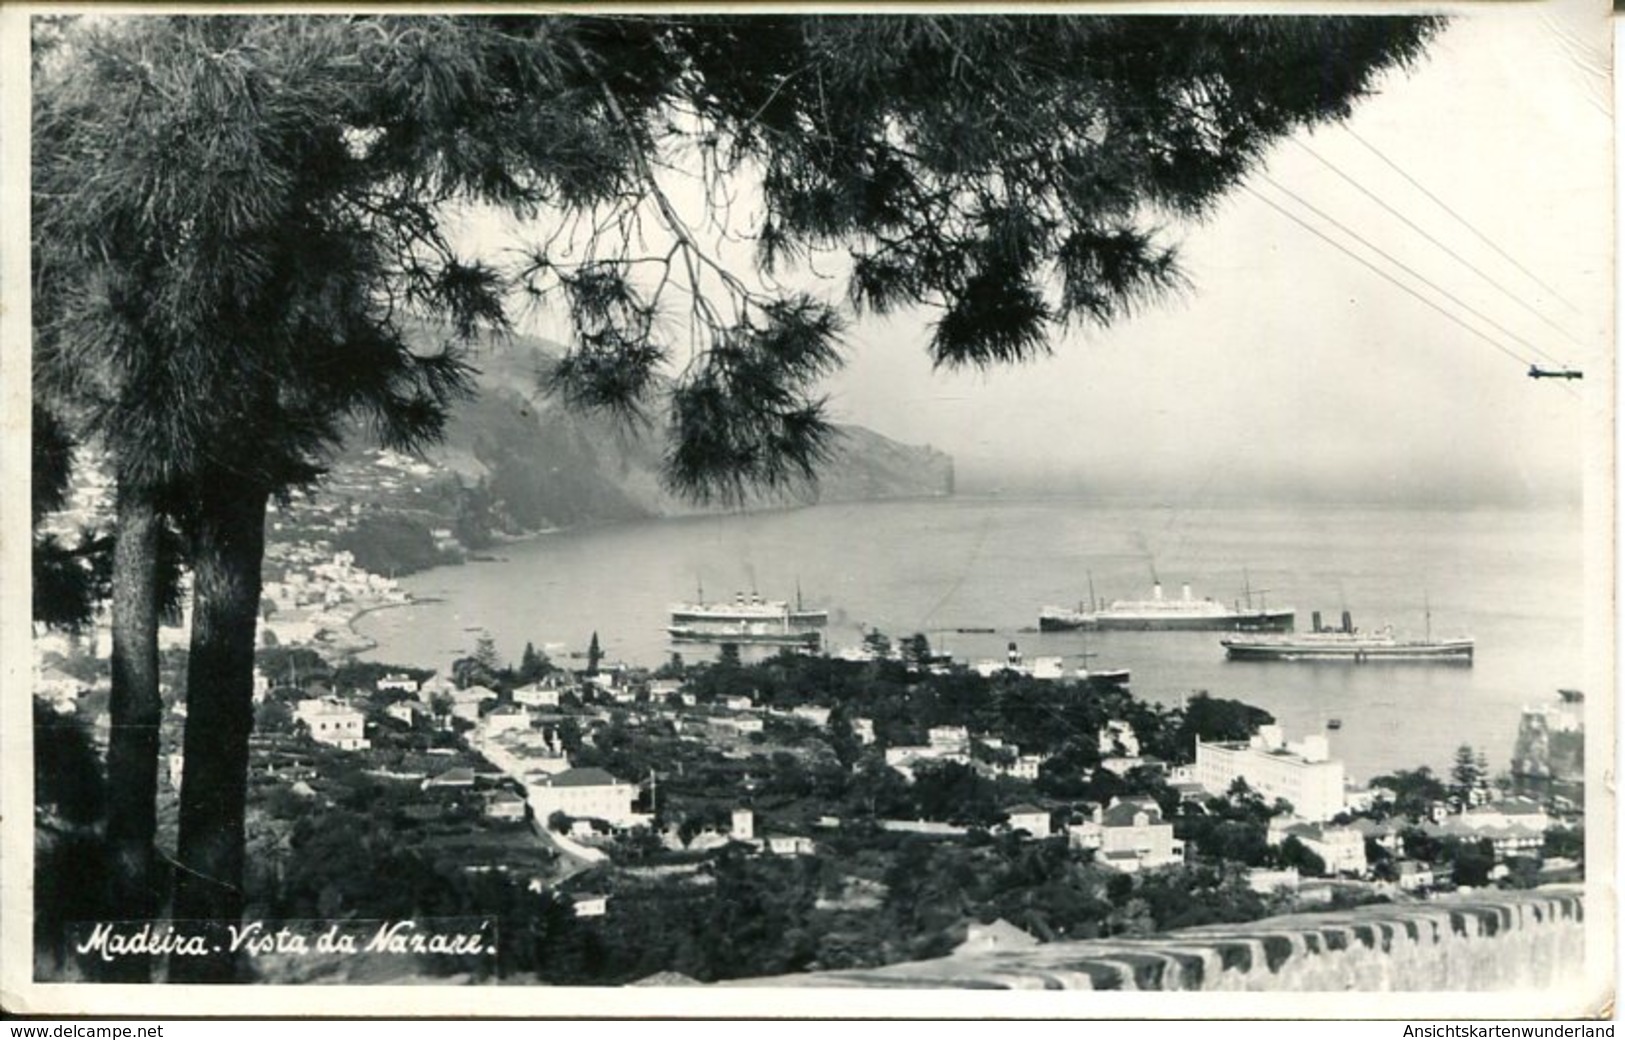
x=275 y=182
x=237 y=221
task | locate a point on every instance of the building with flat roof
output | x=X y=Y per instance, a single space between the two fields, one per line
x=1303 y=774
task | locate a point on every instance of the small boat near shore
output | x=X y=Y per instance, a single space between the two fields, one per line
x=1109 y=676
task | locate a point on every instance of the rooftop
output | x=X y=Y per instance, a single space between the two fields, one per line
x=586 y=776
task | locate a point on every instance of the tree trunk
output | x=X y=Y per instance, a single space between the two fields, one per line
x=135 y=710
x=227 y=551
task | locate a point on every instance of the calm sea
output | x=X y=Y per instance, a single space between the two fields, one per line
x=1511 y=579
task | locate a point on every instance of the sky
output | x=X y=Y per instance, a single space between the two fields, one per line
x=1291 y=369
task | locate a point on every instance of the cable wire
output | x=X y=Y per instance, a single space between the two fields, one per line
x=1374 y=197
x=1379 y=271
x=1481 y=316
x=1459 y=218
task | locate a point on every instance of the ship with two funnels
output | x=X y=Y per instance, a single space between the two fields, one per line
x=1160 y=614
x=748 y=621
x=1348 y=643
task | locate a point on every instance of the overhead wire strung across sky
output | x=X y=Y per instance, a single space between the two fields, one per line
x=1463 y=221
x=1510 y=294
x=1387 y=276
x=1524 y=356
x=1435 y=286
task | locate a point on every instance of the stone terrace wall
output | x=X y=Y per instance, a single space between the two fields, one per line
x=1488 y=941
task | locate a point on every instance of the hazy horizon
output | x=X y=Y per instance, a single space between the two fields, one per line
x=1291 y=367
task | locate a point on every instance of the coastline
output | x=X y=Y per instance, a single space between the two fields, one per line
x=360 y=644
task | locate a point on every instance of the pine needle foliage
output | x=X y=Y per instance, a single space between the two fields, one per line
x=236 y=219
x=1013 y=173
x=225 y=203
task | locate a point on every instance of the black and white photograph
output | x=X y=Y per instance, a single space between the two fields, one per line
x=1077 y=512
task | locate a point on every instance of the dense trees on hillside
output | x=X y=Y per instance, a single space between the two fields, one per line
x=233 y=217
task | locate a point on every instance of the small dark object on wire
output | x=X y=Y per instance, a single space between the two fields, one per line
x=1536 y=372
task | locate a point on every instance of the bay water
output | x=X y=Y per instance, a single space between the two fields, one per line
x=1510 y=578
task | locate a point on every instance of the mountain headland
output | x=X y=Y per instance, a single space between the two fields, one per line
x=516 y=460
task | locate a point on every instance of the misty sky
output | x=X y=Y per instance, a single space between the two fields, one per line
x=1291 y=370
x=1293 y=366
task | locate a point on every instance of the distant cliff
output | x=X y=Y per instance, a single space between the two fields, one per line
x=515 y=459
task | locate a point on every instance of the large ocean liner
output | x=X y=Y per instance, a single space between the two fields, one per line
x=1349 y=644
x=748 y=620
x=1159 y=614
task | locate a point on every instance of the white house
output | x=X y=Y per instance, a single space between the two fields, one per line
x=1342 y=849
x=789 y=845
x=505 y=805
x=541 y=694
x=864 y=730
x=1509 y=812
x=332 y=721
x=1029 y=818
x=1025 y=767
x=397 y=681
x=585 y=792
x=408 y=711
x=1133 y=836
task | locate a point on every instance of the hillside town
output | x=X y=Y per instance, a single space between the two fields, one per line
x=877 y=806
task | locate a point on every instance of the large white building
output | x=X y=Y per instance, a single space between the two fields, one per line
x=1303 y=774
x=589 y=792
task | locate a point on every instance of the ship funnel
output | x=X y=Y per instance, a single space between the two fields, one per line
x=1156 y=591
x=1185 y=592
x=1315 y=618
x=1348 y=622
